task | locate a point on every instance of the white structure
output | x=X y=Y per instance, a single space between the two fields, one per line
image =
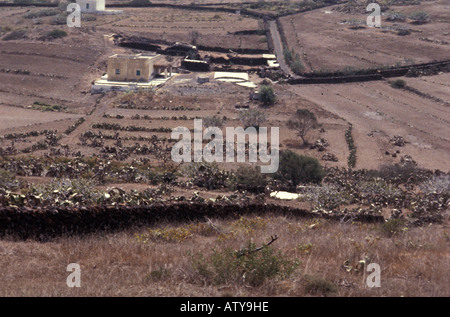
x=91 y=6
x=95 y=6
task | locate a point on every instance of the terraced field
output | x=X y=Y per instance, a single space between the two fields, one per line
x=333 y=39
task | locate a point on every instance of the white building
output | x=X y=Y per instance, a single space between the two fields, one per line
x=91 y=6
x=95 y=6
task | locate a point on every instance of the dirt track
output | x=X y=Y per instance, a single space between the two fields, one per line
x=278 y=47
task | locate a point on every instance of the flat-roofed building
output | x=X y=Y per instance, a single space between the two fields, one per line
x=91 y=6
x=135 y=68
x=95 y=6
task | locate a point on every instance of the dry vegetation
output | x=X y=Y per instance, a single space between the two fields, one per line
x=323 y=259
x=114 y=148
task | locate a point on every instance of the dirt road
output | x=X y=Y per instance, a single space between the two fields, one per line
x=278 y=47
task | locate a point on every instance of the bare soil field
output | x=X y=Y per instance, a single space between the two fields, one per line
x=379 y=112
x=437 y=86
x=327 y=39
x=175 y=25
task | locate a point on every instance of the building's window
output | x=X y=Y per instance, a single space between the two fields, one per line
x=87 y=6
x=138 y=72
x=117 y=71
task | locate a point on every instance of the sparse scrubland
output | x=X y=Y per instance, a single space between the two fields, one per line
x=309 y=258
x=368 y=160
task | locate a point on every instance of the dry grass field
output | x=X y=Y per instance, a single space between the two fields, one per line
x=48 y=117
x=165 y=261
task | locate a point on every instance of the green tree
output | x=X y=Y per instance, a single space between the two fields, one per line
x=296 y=169
x=267 y=95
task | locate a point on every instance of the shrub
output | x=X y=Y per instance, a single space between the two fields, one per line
x=225 y=266
x=15 y=35
x=293 y=60
x=252 y=118
x=379 y=190
x=398 y=83
x=419 y=17
x=288 y=55
x=328 y=196
x=394 y=16
x=351 y=146
x=213 y=121
x=437 y=185
x=249 y=179
x=169 y=235
x=158 y=274
x=297 y=67
x=55 y=34
x=139 y=3
x=267 y=95
x=8 y=180
x=88 y=18
x=41 y=13
x=296 y=169
x=207 y=175
x=23 y=1
x=60 y=19
x=318 y=286
x=398 y=174
x=67 y=192
x=403 y=31
x=4 y=29
x=393 y=226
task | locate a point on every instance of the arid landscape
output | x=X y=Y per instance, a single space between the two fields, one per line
x=88 y=176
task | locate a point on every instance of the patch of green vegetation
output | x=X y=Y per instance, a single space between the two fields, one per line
x=60 y=19
x=251 y=266
x=318 y=286
x=297 y=169
x=207 y=175
x=8 y=180
x=393 y=226
x=54 y=34
x=351 y=146
x=419 y=17
x=15 y=35
x=267 y=95
x=293 y=60
x=248 y=178
x=37 y=105
x=398 y=83
x=395 y=16
x=74 y=126
x=140 y=3
x=41 y=13
x=4 y=29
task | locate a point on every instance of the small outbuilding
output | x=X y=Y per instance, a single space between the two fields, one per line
x=95 y=6
x=91 y=6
